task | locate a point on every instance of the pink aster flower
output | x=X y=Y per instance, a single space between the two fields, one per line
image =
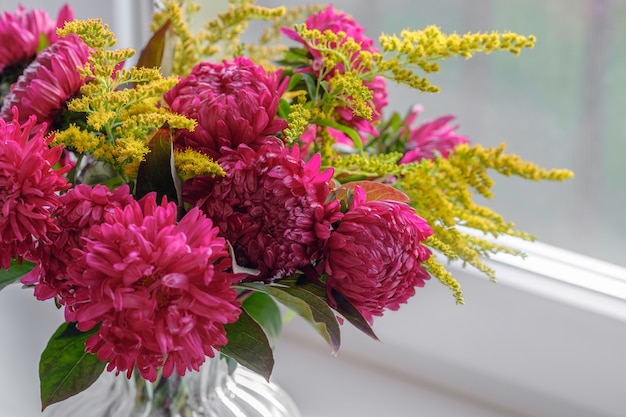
x=29 y=187
x=21 y=34
x=234 y=102
x=80 y=208
x=430 y=138
x=48 y=82
x=271 y=207
x=161 y=291
x=373 y=257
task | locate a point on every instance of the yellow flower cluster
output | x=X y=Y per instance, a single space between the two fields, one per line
x=298 y=121
x=348 y=89
x=191 y=163
x=121 y=105
x=420 y=49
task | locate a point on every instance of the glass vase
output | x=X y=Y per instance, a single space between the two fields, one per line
x=213 y=391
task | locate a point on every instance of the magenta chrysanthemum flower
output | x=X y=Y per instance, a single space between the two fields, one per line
x=160 y=290
x=271 y=207
x=80 y=208
x=29 y=187
x=21 y=34
x=235 y=102
x=430 y=138
x=48 y=82
x=373 y=257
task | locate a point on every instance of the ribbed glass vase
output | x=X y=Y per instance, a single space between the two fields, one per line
x=214 y=391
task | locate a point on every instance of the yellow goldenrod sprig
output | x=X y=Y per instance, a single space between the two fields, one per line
x=228 y=27
x=442 y=189
x=344 y=88
x=191 y=163
x=121 y=105
x=297 y=120
x=421 y=49
x=439 y=271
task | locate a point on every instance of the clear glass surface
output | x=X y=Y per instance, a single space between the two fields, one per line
x=214 y=391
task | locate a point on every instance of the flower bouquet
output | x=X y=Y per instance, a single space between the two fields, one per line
x=170 y=206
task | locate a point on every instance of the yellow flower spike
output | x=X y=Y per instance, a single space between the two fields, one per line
x=439 y=271
x=121 y=105
x=191 y=163
x=421 y=49
x=77 y=139
x=99 y=118
x=297 y=120
x=348 y=89
x=93 y=32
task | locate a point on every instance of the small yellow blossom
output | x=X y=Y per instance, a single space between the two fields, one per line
x=191 y=163
x=297 y=120
x=122 y=106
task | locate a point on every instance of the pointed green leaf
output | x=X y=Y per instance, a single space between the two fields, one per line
x=249 y=346
x=156 y=171
x=264 y=311
x=65 y=369
x=306 y=304
x=14 y=273
x=342 y=306
x=356 y=139
x=311 y=84
x=294 y=80
x=349 y=312
x=284 y=108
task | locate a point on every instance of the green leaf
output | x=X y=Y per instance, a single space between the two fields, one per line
x=44 y=42
x=308 y=305
x=311 y=85
x=294 y=80
x=14 y=273
x=157 y=173
x=65 y=369
x=356 y=139
x=249 y=346
x=349 y=312
x=264 y=311
x=284 y=108
x=342 y=306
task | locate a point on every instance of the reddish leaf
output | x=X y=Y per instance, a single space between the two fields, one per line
x=374 y=190
x=156 y=173
x=154 y=52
